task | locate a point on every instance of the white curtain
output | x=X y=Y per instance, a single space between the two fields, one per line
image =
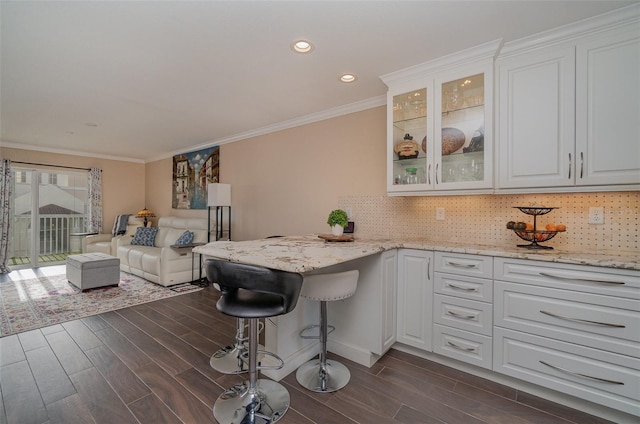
x=95 y=201
x=5 y=213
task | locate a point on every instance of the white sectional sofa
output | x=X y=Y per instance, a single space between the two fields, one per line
x=106 y=243
x=161 y=263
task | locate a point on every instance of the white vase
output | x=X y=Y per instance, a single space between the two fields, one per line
x=337 y=230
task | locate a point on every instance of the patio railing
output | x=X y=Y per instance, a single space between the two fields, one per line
x=54 y=240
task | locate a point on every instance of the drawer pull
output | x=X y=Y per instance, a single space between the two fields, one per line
x=460 y=316
x=604 y=380
x=604 y=324
x=544 y=274
x=469 y=289
x=459 y=265
x=466 y=349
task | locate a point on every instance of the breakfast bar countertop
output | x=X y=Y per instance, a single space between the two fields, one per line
x=307 y=253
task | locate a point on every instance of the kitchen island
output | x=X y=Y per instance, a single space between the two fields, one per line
x=411 y=294
x=366 y=320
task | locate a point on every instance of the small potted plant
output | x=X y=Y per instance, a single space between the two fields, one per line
x=337 y=220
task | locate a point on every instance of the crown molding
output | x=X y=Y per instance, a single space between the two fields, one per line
x=291 y=123
x=488 y=50
x=569 y=32
x=67 y=152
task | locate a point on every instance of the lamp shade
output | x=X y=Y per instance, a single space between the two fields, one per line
x=145 y=213
x=219 y=194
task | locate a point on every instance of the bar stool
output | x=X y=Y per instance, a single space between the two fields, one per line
x=228 y=359
x=253 y=292
x=322 y=374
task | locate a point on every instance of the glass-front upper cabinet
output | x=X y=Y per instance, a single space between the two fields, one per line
x=439 y=131
x=409 y=133
x=464 y=121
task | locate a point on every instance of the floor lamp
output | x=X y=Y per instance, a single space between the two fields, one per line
x=219 y=196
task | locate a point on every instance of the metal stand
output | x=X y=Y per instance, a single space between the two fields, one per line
x=230 y=359
x=220 y=228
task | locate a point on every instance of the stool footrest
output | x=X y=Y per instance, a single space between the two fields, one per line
x=245 y=358
x=330 y=329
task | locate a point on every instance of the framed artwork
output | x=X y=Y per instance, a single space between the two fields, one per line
x=192 y=173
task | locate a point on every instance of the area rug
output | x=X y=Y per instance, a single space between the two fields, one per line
x=40 y=302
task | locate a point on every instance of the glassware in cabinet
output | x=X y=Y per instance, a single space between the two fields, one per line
x=409 y=137
x=462 y=124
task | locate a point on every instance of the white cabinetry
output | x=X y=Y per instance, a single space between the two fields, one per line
x=415 y=298
x=536 y=136
x=442 y=113
x=608 y=108
x=575 y=329
x=568 y=111
x=462 y=308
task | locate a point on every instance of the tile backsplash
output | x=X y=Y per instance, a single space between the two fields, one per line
x=481 y=219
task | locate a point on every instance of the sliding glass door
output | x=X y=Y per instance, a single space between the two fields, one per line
x=49 y=207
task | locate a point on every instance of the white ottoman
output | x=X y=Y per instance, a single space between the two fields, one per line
x=91 y=270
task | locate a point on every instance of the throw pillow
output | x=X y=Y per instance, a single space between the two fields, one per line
x=145 y=236
x=185 y=238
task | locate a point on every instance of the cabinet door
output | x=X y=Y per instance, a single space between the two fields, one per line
x=536 y=135
x=608 y=109
x=415 y=298
x=388 y=307
x=409 y=145
x=463 y=129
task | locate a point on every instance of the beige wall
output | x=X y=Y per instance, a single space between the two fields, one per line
x=287 y=182
x=123 y=183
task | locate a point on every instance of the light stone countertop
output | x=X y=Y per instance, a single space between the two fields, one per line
x=307 y=253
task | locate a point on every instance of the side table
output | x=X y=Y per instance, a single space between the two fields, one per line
x=75 y=240
x=200 y=281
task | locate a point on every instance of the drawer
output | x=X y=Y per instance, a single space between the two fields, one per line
x=464 y=264
x=591 y=374
x=603 y=322
x=480 y=289
x=463 y=314
x=462 y=345
x=583 y=278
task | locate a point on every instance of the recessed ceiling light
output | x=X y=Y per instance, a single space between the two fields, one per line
x=302 y=46
x=348 y=78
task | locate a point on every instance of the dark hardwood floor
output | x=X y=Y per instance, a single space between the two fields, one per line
x=150 y=364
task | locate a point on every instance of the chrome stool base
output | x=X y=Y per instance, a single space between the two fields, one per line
x=266 y=404
x=228 y=360
x=311 y=377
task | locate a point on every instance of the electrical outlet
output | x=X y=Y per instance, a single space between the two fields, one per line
x=439 y=214
x=596 y=215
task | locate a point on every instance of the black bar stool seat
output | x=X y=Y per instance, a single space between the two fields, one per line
x=252 y=292
x=248 y=304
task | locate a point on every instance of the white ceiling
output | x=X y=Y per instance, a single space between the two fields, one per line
x=149 y=79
